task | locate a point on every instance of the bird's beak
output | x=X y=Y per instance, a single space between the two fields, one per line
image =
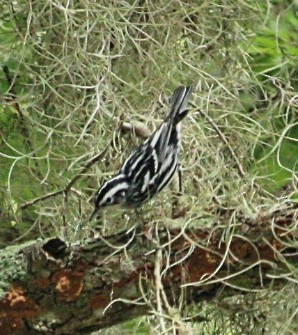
x=93 y=215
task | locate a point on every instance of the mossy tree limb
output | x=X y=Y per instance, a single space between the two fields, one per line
x=89 y=286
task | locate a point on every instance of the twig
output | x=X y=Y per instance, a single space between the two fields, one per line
x=159 y=287
x=24 y=129
x=85 y=169
x=67 y=188
x=43 y=197
x=16 y=105
x=12 y=92
x=222 y=137
x=238 y=164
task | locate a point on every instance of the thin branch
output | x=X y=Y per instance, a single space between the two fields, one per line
x=44 y=197
x=85 y=169
x=159 y=287
x=23 y=125
x=222 y=137
x=12 y=93
x=67 y=188
x=15 y=104
x=238 y=164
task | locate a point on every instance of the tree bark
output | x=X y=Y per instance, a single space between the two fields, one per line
x=76 y=289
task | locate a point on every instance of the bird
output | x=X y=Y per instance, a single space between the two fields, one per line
x=151 y=166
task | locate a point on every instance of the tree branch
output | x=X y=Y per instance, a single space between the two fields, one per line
x=60 y=289
x=68 y=187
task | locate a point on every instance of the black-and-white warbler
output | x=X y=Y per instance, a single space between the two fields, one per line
x=151 y=166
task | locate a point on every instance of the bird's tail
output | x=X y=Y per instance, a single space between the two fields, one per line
x=179 y=103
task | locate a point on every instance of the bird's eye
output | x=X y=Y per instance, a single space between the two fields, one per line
x=109 y=200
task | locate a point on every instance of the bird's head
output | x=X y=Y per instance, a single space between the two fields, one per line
x=111 y=193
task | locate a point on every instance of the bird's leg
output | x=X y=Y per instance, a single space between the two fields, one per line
x=179 y=179
x=177 y=192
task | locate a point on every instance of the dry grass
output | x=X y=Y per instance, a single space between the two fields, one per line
x=86 y=67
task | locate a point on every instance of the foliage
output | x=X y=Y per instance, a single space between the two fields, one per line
x=80 y=69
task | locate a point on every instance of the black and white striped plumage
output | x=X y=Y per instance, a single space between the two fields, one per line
x=151 y=166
